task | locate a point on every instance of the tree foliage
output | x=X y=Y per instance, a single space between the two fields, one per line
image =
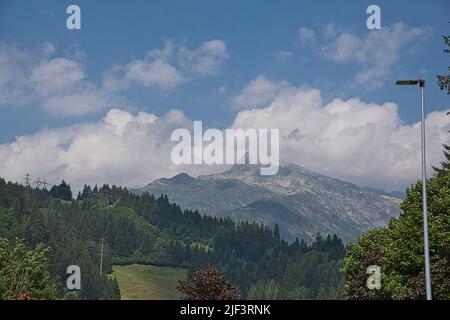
x=398 y=249
x=208 y=284
x=24 y=273
x=62 y=191
x=443 y=80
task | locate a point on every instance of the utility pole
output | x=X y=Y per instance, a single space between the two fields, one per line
x=45 y=184
x=27 y=180
x=38 y=183
x=41 y=183
x=101 y=255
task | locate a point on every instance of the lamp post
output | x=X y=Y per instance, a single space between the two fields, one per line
x=421 y=84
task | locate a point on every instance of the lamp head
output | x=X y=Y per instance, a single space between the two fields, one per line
x=420 y=82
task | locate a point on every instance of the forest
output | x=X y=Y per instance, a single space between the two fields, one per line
x=146 y=229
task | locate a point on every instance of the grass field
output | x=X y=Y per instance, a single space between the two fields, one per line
x=146 y=282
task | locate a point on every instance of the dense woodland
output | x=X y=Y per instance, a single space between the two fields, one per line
x=149 y=230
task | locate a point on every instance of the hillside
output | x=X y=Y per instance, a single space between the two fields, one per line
x=147 y=282
x=145 y=230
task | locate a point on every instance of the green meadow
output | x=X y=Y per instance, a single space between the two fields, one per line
x=147 y=282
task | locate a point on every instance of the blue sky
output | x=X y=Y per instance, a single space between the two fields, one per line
x=113 y=32
x=286 y=43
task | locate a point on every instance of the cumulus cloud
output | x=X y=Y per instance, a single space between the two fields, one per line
x=258 y=92
x=169 y=66
x=121 y=148
x=77 y=103
x=56 y=75
x=157 y=73
x=206 y=59
x=376 y=52
x=365 y=143
x=57 y=84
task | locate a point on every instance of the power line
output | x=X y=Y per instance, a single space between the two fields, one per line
x=27 y=179
x=84 y=237
x=101 y=256
x=41 y=183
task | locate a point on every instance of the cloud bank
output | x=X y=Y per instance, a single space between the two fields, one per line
x=365 y=143
x=362 y=142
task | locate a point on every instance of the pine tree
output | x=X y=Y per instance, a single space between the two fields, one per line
x=445 y=165
x=444 y=84
x=276 y=232
x=444 y=79
x=62 y=191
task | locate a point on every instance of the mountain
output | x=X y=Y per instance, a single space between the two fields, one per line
x=300 y=201
x=394 y=194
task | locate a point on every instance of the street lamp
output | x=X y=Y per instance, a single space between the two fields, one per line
x=421 y=84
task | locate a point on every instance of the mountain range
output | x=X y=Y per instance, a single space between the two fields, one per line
x=301 y=202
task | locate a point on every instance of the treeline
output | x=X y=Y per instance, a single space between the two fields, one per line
x=150 y=230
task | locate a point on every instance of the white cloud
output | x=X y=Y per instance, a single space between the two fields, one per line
x=13 y=75
x=350 y=139
x=365 y=143
x=48 y=48
x=56 y=75
x=259 y=91
x=376 y=52
x=156 y=73
x=122 y=148
x=329 y=30
x=306 y=35
x=58 y=85
x=168 y=67
x=206 y=59
x=77 y=103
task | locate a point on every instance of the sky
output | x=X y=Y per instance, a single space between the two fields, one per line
x=98 y=104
